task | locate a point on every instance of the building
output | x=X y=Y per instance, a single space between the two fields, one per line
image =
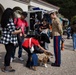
x=33 y=7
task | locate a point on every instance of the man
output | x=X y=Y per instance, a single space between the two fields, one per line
x=57 y=34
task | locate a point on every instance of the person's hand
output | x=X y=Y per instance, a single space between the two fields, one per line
x=25 y=35
x=45 y=51
x=17 y=31
x=20 y=34
x=62 y=39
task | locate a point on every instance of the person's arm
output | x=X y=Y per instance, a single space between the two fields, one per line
x=45 y=51
x=12 y=29
x=25 y=35
x=17 y=31
x=42 y=48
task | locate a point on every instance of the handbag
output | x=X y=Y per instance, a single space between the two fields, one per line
x=31 y=48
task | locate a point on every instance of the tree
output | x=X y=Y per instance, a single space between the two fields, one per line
x=67 y=7
x=73 y=19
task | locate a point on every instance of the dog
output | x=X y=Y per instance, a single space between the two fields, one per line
x=43 y=58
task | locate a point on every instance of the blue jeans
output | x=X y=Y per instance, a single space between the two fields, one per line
x=34 y=61
x=20 y=47
x=68 y=35
x=74 y=41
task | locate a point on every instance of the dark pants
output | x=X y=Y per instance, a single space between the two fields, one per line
x=57 y=50
x=13 y=52
x=9 y=48
x=20 y=41
x=29 y=56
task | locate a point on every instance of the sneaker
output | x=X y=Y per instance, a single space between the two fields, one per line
x=74 y=49
x=21 y=59
x=3 y=69
x=12 y=59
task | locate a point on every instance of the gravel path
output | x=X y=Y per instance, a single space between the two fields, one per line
x=68 y=66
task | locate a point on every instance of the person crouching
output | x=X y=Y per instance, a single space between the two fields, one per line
x=28 y=46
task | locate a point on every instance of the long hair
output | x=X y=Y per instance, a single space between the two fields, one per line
x=7 y=14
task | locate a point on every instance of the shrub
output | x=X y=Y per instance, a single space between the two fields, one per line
x=73 y=19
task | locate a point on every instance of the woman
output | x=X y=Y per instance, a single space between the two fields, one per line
x=34 y=42
x=8 y=38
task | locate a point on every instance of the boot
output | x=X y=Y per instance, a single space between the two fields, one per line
x=3 y=68
x=7 y=69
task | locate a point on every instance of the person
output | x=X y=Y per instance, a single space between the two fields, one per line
x=57 y=34
x=20 y=23
x=68 y=32
x=32 y=22
x=8 y=38
x=37 y=27
x=73 y=33
x=34 y=42
x=45 y=29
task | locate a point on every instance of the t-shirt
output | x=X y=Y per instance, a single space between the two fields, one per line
x=21 y=23
x=33 y=42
